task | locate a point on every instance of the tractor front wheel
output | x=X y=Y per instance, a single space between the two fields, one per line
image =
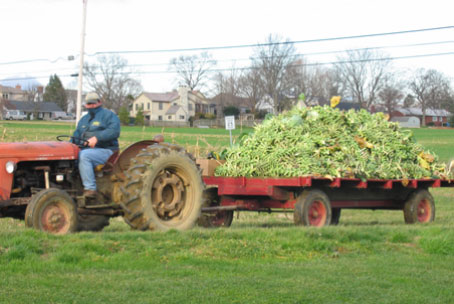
x=52 y=210
x=162 y=190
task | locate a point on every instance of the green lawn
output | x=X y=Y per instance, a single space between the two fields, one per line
x=371 y=257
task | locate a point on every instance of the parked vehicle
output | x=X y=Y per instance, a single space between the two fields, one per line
x=15 y=115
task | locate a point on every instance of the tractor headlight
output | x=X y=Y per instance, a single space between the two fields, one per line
x=10 y=167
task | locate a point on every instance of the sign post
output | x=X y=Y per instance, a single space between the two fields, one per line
x=230 y=125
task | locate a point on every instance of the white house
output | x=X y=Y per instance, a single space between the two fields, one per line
x=171 y=106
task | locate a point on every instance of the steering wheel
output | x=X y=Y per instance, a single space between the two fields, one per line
x=84 y=143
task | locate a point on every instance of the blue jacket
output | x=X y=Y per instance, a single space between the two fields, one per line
x=105 y=125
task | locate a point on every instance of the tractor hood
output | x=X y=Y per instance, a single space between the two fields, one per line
x=44 y=150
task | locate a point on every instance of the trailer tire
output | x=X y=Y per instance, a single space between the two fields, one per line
x=92 y=222
x=217 y=219
x=312 y=208
x=52 y=210
x=419 y=208
x=335 y=216
x=162 y=189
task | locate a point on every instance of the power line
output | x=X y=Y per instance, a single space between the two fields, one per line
x=249 y=68
x=296 y=56
x=273 y=43
x=238 y=46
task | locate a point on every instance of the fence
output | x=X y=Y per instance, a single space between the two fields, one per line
x=202 y=123
x=220 y=123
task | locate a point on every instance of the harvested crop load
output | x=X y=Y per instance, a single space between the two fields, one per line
x=322 y=141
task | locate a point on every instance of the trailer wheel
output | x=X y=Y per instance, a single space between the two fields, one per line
x=312 y=208
x=162 y=189
x=214 y=219
x=335 y=216
x=88 y=222
x=52 y=210
x=419 y=208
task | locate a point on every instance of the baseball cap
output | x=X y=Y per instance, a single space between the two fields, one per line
x=92 y=98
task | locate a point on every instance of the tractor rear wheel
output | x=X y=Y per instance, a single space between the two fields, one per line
x=162 y=189
x=419 y=208
x=312 y=208
x=216 y=219
x=52 y=210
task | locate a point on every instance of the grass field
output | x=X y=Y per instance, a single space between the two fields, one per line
x=371 y=257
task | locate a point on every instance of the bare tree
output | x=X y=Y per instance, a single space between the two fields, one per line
x=273 y=60
x=251 y=88
x=111 y=79
x=363 y=73
x=431 y=89
x=409 y=101
x=390 y=96
x=193 y=70
x=35 y=93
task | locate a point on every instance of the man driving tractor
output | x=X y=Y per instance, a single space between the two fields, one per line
x=98 y=133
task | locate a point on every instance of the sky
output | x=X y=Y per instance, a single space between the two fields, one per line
x=38 y=36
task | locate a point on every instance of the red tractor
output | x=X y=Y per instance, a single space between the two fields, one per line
x=152 y=184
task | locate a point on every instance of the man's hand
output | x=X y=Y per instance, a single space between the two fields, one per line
x=92 y=142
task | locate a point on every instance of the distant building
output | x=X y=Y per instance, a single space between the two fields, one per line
x=16 y=93
x=33 y=110
x=222 y=100
x=407 y=121
x=436 y=117
x=175 y=106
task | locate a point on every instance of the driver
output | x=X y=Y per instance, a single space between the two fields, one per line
x=98 y=133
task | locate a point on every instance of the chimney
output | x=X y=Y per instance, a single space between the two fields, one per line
x=40 y=89
x=184 y=100
x=18 y=86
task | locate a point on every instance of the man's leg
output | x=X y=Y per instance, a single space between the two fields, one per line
x=88 y=160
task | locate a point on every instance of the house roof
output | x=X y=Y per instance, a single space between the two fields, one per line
x=227 y=98
x=429 y=112
x=173 y=110
x=163 y=97
x=30 y=106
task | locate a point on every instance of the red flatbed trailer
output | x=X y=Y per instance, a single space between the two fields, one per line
x=318 y=201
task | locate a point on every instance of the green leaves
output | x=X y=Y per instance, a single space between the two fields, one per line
x=323 y=141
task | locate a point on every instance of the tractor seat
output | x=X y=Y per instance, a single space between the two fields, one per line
x=109 y=163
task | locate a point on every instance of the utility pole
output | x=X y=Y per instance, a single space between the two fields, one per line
x=81 y=62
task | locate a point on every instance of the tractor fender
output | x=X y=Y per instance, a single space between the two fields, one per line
x=122 y=162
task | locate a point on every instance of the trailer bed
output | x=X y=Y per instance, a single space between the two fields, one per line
x=321 y=194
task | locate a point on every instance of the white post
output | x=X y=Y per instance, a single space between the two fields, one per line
x=81 y=63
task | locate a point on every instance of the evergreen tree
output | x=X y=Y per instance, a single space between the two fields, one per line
x=140 y=119
x=55 y=92
x=123 y=114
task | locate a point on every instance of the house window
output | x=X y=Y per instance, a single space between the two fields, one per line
x=190 y=107
x=141 y=106
x=160 y=106
x=160 y=117
x=181 y=116
x=148 y=106
x=137 y=107
x=169 y=117
x=174 y=103
x=434 y=118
